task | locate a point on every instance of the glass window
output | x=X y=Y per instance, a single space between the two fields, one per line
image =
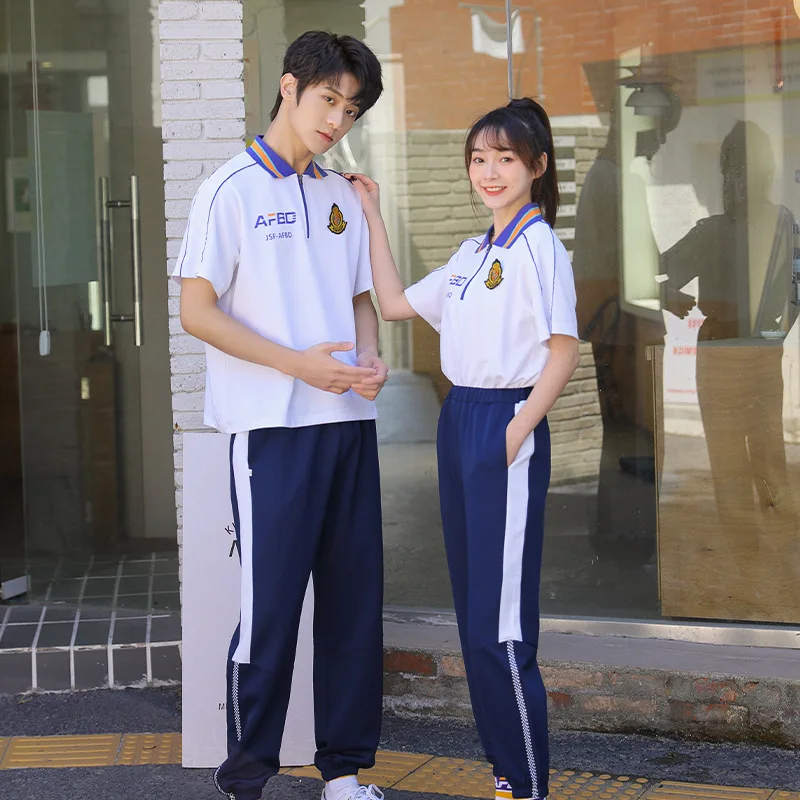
x=675 y=445
x=412 y=143
x=86 y=469
x=683 y=262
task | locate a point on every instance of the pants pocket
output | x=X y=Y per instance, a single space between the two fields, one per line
x=528 y=445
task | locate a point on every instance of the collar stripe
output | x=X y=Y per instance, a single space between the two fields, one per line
x=534 y=215
x=259 y=152
x=527 y=216
x=262 y=154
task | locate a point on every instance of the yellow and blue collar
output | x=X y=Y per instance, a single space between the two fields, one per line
x=528 y=215
x=266 y=157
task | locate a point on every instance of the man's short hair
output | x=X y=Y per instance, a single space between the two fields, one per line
x=318 y=56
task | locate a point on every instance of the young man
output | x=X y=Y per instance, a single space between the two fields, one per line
x=275 y=278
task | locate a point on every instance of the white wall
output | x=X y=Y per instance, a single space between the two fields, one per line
x=202 y=93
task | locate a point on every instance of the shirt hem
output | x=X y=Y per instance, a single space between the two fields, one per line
x=296 y=422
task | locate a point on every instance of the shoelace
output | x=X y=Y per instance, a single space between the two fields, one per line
x=371 y=792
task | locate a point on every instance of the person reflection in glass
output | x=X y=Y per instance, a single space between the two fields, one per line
x=622 y=531
x=743 y=261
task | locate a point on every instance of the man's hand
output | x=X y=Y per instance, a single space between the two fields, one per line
x=369 y=387
x=318 y=368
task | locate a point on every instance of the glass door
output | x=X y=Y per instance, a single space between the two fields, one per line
x=84 y=256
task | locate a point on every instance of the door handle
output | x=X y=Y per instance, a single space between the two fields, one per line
x=106 y=288
x=136 y=262
x=106 y=261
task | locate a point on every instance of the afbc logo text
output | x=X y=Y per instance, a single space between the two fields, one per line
x=276 y=218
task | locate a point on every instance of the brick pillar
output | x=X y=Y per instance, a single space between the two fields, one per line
x=202 y=92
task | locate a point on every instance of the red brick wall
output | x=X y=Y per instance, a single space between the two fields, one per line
x=447 y=85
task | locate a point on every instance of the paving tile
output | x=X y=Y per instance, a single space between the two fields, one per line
x=451 y=776
x=91 y=668
x=166 y=628
x=58 y=612
x=92 y=633
x=130 y=666
x=26 y=752
x=572 y=784
x=130 y=631
x=390 y=767
x=150 y=748
x=166 y=663
x=668 y=790
x=15 y=636
x=15 y=672
x=55 y=634
x=52 y=671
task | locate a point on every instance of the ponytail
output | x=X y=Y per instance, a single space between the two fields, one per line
x=523 y=127
x=544 y=190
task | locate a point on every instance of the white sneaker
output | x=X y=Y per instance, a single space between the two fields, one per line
x=371 y=792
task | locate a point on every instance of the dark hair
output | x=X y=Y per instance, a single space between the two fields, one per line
x=318 y=56
x=523 y=127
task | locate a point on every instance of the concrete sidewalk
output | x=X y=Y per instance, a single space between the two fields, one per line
x=423 y=759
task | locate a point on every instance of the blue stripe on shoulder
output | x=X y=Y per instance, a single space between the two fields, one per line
x=536 y=266
x=186 y=235
x=476 y=239
x=211 y=205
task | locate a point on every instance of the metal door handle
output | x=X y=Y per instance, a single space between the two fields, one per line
x=106 y=258
x=136 y=262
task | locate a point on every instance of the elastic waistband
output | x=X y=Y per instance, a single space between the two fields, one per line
x=472 y=394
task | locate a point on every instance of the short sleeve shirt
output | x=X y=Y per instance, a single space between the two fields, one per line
x=286 y=254
x=497 y=303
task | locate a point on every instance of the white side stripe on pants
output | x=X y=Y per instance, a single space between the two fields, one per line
x=510 y=624
x=241 y=482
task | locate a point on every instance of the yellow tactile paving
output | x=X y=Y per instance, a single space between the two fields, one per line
x=390 y=767
x=695 y=791
x=150 y=748
x=61 y=751
x=410 y=772
x=453 y=776
x=571 y=784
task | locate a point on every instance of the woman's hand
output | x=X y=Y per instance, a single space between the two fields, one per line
x=516 y=434
x=369 y=190
x=564 y=359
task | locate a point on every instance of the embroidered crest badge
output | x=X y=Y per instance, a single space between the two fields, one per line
x=495 y=275
x=337 y=222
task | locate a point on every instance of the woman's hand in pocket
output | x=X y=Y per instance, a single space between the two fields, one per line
x=515 y=438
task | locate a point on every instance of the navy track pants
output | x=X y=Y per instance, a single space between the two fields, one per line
x=493 y=521
x=306 y=502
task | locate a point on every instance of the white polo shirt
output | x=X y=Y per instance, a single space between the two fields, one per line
x=286 y=255
x=496 y=305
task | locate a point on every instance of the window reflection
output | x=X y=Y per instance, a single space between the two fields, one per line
x=729 y=283
x=676 y=447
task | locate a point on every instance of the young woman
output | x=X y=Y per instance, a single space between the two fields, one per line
x=505 y=308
